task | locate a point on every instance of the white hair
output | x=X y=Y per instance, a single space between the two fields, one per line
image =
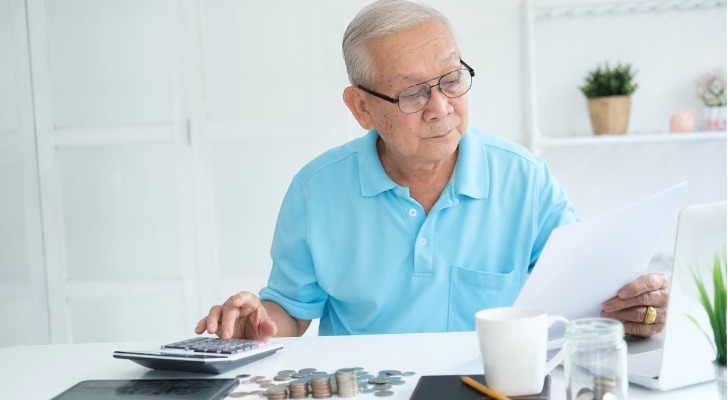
x=381 y=18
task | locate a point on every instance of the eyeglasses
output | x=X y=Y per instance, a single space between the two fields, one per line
x=415 y=98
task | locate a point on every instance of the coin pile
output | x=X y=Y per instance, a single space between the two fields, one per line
x=345 y=383
x=298 y=389
x=321 y=387
x=604 y=389
x=277 y=392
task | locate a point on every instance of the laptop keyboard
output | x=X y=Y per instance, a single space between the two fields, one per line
x=217 y=345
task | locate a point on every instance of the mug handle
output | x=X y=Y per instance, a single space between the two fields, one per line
x=559 y=357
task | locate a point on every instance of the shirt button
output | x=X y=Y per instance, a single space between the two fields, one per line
x=398 y=192
x=422 y=241
x=412 y=212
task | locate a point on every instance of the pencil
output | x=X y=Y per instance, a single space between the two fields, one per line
x=483 y=389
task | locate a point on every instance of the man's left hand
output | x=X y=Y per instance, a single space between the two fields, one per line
x=633 y=302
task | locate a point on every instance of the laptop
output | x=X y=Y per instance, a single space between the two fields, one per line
x=686 y=356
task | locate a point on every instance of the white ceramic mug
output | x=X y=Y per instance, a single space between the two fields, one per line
x=513 y=344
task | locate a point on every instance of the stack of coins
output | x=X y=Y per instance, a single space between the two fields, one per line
x=604 y=388
x=298 y=389
x=346 y=383
x=278 y=392
x=321 y=385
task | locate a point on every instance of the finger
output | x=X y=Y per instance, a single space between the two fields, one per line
x=212 y=319
x=268 y=328
x=201 y=326
x=657 y=298
x=236 y=310
x=230 y=316
x=635 y=314
x=255 y=319
x=643 y=330
x=645 y=283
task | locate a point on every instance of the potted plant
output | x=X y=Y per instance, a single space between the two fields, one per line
x=716 y=311
x=608 y=92
x=711 y=91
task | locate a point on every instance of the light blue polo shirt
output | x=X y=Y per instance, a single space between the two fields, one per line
x=353 y=248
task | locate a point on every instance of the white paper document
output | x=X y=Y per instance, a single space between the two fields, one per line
x=585 y=264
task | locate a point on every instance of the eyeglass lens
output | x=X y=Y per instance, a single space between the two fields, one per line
x=453 y=84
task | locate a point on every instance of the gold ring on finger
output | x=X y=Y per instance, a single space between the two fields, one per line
x=650 y=316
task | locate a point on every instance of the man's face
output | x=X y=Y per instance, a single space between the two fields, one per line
x=413 y=55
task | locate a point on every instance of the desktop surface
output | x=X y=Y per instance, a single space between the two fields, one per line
x=44 y=371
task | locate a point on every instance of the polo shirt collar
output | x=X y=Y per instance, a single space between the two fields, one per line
x=470 y=176
x=372 y=177
x=471 y=171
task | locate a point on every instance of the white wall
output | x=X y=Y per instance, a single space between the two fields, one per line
x=143 y=157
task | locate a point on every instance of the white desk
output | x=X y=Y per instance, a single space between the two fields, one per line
x=41 y=372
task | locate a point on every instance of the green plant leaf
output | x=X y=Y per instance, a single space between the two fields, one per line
x=707 y=335
x=715 y=310
x=719 y=308
x=608 y=81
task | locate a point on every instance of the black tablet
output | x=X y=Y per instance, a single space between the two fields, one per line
x=152 y=389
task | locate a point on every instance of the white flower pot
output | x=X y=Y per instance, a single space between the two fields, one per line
x=720 y=376
x=714 y=118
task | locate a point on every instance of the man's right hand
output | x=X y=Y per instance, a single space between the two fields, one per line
x=242 y=316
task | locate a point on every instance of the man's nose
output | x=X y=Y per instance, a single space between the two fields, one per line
x=439 y=105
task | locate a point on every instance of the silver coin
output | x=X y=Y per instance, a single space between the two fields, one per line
x=286 y=372
x=397 y=382
x=391 y=372
x=307 y=370
x=236 y=395
x=409 y=373
x=368 y=390
x=383 y=393
x=379 y=381
x=281 y=378
x=585 y=394
x=243 y=376
x=266 y=385
x=299 y=375
x=609 y=396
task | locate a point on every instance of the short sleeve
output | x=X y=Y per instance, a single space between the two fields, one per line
x=292 y=283
x=553 y=209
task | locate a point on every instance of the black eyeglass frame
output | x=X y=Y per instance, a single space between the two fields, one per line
x=396 y=101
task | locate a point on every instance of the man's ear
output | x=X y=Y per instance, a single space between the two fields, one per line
x=354 y=99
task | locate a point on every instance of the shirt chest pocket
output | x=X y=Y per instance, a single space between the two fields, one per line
x=472 y=290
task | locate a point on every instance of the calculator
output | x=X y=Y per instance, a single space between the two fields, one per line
x=210 y=355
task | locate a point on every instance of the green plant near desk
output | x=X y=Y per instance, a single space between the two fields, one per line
x=716 y=309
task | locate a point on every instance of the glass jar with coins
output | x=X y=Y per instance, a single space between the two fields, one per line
x=595 y=360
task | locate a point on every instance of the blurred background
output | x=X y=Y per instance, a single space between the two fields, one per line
x=146 y=145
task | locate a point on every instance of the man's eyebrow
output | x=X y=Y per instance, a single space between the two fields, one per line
x=408 y=78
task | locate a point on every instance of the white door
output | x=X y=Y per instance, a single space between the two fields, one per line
x=114 y=169
x=23 y=302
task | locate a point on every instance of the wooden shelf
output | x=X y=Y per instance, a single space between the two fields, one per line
x=630 y=139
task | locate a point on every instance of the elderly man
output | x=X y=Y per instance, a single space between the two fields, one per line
x=421 y=222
